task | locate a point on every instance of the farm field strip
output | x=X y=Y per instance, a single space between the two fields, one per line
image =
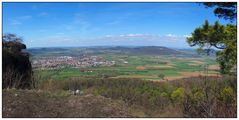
x=143 y=67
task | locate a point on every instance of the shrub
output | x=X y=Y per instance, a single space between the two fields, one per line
x=161 y=76
x=192 y=98
x=178 y=95
x=227 y=95
x=164 y=94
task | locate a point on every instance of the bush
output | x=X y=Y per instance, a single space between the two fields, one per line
x=161 y=76
x=192 y=98
x=178 y=95
x=227 y=95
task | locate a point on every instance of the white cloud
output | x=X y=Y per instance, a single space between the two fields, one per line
x=171 y=35
x=108 y=35
x=187 y=35
x=137 y=39
x=15 y=22
x=79 y=24
x=133 y=35
x=132 y=39
x=19 y=20
x=57 y=39
x=120 y=19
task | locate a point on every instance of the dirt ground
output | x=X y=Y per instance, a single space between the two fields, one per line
x=183 y=75
x=28 y=103
x=190 y=74
x=193 y=64
x=158 y=66
x=140 y=67
x=135 y=76
x=213 y=67
x=197 y=62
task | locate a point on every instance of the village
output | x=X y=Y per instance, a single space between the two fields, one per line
x=54 y=62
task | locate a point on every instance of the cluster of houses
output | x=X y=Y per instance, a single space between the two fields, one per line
x=69 y=61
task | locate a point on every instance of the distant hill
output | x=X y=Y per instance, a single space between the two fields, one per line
x=76 y=51
x=152 y=50
x=146 y=50
x=212 y=52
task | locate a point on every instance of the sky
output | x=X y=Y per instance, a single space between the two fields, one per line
x=105 y=24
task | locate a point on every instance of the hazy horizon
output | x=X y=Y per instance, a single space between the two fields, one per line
x=108 y=46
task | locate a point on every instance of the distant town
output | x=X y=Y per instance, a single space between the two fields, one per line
x=54 y=62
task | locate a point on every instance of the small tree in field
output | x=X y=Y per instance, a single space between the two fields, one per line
x=161 y=76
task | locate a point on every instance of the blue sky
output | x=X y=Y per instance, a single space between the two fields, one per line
x=105 y=24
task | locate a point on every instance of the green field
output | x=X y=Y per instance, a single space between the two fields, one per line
x=140 y=66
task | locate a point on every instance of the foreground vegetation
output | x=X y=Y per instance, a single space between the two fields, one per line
x=38 y=103
x=194 y=97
